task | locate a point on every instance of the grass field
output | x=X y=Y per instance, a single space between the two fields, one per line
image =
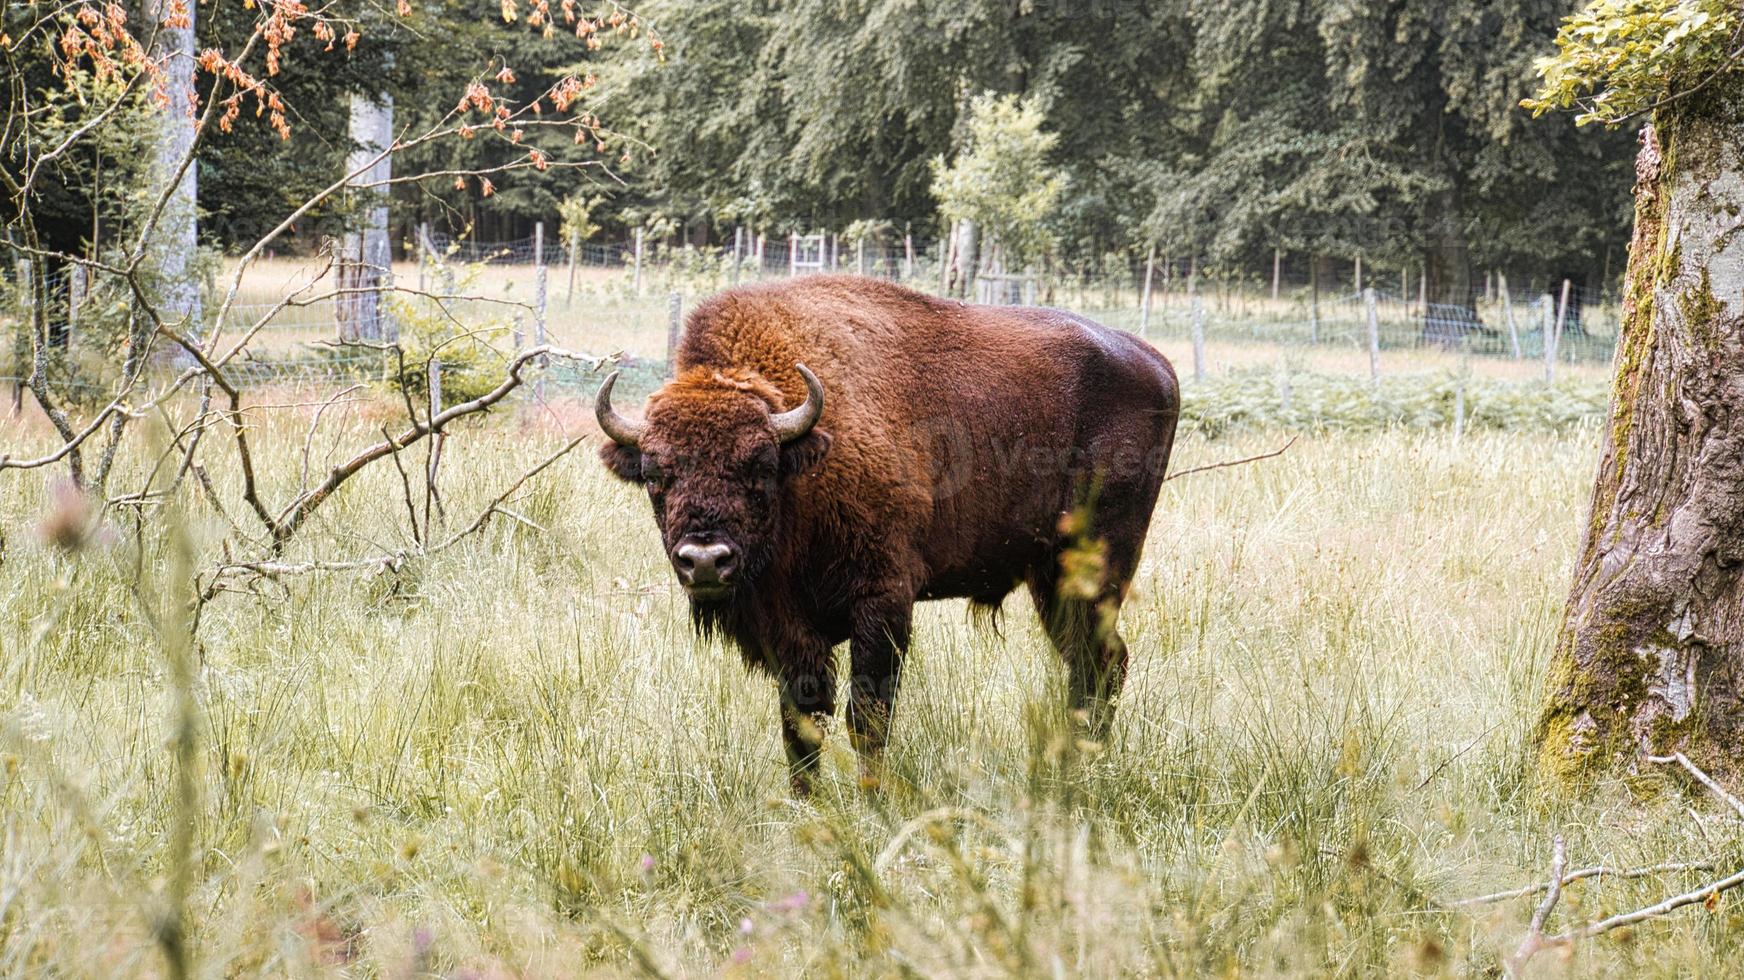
x=513 y=759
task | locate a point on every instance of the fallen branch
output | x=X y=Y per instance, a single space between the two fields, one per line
x=1598 y=871
x=1233 y=462
x=1534 y=941
x=1706 y=780
x=1703 y=894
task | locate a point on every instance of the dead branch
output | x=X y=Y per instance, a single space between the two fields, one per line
x=1736 y=804
x=1233 y=462
x=389 y=561
x=1598 y=871
x=1534 y=940
x=1703 y=894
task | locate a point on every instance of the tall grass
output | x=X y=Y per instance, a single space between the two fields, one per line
x=514 y=758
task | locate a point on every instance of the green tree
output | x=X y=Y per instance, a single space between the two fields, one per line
x=1003 y=181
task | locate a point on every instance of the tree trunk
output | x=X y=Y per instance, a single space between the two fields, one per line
x=1447 y=265
x=368 y=251
x=1651 y=653
x=176 y=239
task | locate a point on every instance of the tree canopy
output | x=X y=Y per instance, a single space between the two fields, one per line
x=1341 y=128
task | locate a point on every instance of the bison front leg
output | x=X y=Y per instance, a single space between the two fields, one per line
x=880 y=641
x=808 y=703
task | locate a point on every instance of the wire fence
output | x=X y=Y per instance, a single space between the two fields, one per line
x=527 y=289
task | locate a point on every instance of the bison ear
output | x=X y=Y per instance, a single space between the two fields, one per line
x=803 y=455
x=625 y=462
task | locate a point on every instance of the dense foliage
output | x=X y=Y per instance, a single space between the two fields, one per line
x=1619 y=58
x=1331 y=128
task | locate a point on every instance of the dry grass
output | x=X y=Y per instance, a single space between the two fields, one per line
x=514 y=758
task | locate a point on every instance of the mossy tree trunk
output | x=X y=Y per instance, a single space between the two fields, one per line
x=1651 y=654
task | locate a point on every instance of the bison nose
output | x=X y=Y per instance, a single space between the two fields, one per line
x=704 y=564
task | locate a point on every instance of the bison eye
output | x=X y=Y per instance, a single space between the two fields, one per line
x=652 y=474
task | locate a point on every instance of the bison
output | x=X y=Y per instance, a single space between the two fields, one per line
x=833 y=449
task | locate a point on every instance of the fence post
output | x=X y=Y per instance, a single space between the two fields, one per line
x=738 y=250
x=1314 y=300
x=1561 y=319
x=1144 y=302
x=423 y=256
x=1374 y=336
x=77 y=286
x=674 y=323
x=792 y=254
x=908 y=255
x=1508 y=314
x=1423 y=291
x=638 y=262
x=1198 y=326
x=539 y=279
x=1277 y=270
x=1358 y=277
x=574 y=250
x=1547 y=323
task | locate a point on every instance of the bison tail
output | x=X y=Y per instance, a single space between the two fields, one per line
x=984 y=612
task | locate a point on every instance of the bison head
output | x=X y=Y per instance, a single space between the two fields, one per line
x=715 y=451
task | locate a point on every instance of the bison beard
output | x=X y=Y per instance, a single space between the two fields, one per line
x=939 y=451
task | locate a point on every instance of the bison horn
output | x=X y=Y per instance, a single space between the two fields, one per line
x=623 y=431
x=794 y=423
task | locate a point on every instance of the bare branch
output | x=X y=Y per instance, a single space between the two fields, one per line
x=1736 y=804
x=1233 y=462
x=1599 y=871
x=1534 y=941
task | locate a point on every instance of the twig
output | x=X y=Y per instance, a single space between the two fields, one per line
x=1534 y=941
x=406 y=486
x=1599 y=871
x=1706 y=780
x=1233 y=462
x=1450 y=760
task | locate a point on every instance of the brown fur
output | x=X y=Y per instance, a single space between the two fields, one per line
x=953 y=441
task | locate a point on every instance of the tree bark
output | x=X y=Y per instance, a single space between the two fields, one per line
x=175 y=240
x=1651 y=653
x=368 y=252
x=1447 y=263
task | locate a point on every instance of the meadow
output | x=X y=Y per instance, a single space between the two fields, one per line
x=513 y=758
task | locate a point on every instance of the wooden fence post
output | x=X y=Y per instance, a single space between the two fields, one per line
x=1277 y=270
x=1144 y=303
x=1374 y=336
x=674 y=323
x=539 y=281
x=574 y=250
x=1547 y=323
x=1198 y=327
x=1358 y=277
x=77 y=286
x=1561 y=319
x=908 y=255
x=738 y=250
x=1508 y=314
x=638 y=262
x=792 y=254
x=1314 y=300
